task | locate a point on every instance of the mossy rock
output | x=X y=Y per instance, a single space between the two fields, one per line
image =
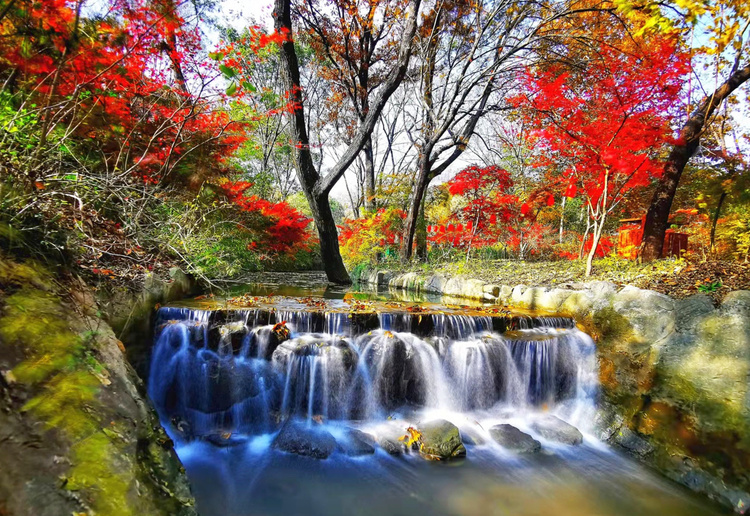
x=440 y=440
x=511 y=438
x=69 y=381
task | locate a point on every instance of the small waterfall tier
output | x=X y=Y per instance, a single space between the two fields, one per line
x=226 y=371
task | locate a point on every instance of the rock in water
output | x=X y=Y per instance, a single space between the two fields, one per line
x=513 y=439
x=471 y=437
x=440 y=440
x=391 y=446
x=555 y=429
x=356 y=443
x=301 y=439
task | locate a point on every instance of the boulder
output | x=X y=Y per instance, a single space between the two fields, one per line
x=473 y=288
x=505 y=292
x=491 y=290
x=434 y=284
x=555 y=429
x=737 y=302
x=301 y=439
x=225 y=440
x=601 y=293
x=391 y=446
x=690 y=309
x=391 y=437
x=516 y=295
x=532 y=297
x=651 y=315
x=553 y=299
x=513 y=439
x=408 y=281
x=471 y=437
x=453 y=287
x=399 y=374
x=355 y=443
x=440 y=440
x=632 y=442
x=607 y=421
x=578 y=303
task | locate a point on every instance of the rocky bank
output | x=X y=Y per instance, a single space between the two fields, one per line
x=77 y=434
x=674 y=374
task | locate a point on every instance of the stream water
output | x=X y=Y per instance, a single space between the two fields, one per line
x=350 y=379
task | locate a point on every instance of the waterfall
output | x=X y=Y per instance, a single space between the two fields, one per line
x=318 y=370
x=249 y=370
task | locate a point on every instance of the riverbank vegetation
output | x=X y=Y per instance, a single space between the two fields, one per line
x=136 y=135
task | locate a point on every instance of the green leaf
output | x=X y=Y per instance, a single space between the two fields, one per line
x=228 y=72
x=232 y=89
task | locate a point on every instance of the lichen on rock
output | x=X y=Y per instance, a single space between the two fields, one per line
x=67 y=386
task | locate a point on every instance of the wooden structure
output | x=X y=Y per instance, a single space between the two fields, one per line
x=630 y=236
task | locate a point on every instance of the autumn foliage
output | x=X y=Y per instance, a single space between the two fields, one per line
x=116 y=117
x=285 y=230
x=367 y=239
x=599 y=133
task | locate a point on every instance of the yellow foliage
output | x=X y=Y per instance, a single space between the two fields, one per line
x=364 y=240
x=413 y=436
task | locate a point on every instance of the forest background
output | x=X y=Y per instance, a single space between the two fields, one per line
x=136 y=135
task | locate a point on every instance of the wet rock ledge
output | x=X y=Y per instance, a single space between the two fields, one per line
x=674 y=374
x=77 y=435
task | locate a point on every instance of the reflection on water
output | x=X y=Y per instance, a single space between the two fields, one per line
x=315 y=283
x=250 y=480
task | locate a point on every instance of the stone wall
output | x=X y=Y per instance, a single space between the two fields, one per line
x=675 y=374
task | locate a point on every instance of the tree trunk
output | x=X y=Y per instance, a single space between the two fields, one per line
x=595 y=237
x=329 y=240
x=420 y=186
x=369 y=193
x=716 y=219
x=422 y=234
x=657 y=217
x=585 y=235
x=306 y=171
x=562 y=218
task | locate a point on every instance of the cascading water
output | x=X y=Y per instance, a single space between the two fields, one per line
x=232 y=371
x=240 y=391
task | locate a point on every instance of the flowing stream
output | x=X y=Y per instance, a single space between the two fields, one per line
x=226 y=382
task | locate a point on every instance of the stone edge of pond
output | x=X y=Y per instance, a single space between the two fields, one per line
x=674 y=374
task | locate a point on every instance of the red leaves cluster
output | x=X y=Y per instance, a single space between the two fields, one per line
x=118 y=83
x=284 y=229
x=608 y=127
x=487 y=205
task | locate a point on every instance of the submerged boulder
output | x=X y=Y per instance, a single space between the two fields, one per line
x=513 y=439
x=301 y=439
x=471 y=436
x=555 y=429
x=391 y=440
x=400 y=366
x=355 y=443
x=440 y=440
x=391 y=446
x=225 y=439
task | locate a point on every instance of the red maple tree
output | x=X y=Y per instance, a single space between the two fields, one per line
x=487 y=208
x=117 y=84
x=285 y=230
x=607 y=124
